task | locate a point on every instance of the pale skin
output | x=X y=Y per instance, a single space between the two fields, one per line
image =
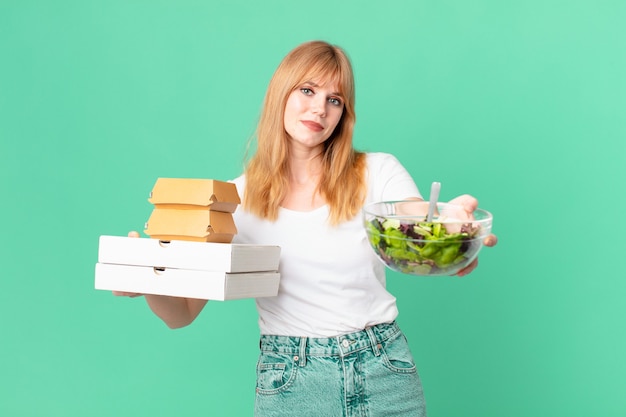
x=312 y=112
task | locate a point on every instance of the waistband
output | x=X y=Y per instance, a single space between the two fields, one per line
x=342 y=345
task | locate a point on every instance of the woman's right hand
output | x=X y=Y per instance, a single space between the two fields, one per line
x=126 y=293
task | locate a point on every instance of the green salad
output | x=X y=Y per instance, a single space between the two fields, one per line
x=423 y=248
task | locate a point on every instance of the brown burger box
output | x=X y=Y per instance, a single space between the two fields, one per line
x=191 y=193
x=193 y=209
x=199 y=225
x=208 y=266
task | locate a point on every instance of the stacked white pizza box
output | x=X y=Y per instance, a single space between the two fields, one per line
x=189 y=253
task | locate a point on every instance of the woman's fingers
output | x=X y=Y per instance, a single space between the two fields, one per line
x=461 y=207
x=468 y=202
x=126 y=294
x=469 y=268
x=490 y=240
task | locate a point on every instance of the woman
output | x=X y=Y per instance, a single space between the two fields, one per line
x=330 y=345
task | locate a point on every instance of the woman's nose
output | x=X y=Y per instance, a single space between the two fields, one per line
x=319 y=107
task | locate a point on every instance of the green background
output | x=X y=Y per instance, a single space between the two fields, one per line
x=521 y=104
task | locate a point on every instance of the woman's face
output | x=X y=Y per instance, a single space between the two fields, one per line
x=312 y=113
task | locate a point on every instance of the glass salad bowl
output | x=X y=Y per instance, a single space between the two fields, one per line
x=406 y=242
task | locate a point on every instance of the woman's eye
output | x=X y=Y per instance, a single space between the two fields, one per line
x=306 y=91
x=334 y=101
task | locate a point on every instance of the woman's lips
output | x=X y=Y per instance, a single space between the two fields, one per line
x=313 y=125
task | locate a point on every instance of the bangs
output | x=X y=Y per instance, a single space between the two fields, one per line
x=330 y=70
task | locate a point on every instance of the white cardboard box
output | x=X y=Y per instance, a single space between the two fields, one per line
x=205 y=270
x=208 y=256
x=208 y=285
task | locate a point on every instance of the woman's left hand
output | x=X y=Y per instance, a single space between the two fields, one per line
x=470 y=204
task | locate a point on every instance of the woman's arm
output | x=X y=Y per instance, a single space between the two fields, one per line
x=176 y=312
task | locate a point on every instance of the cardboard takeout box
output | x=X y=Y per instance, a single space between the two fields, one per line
x=208 y=256
x=199 y=225
x=212 y=271
x=184 y=193
x=207 y=285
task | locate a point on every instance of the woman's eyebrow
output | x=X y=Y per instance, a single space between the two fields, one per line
x=313 y=84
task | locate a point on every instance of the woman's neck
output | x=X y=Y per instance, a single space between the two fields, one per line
x=305 y=173
x=305 y=167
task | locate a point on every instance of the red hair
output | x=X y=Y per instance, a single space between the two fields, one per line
x=267 y=174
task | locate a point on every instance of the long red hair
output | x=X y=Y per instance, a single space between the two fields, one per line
x=267 y=173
